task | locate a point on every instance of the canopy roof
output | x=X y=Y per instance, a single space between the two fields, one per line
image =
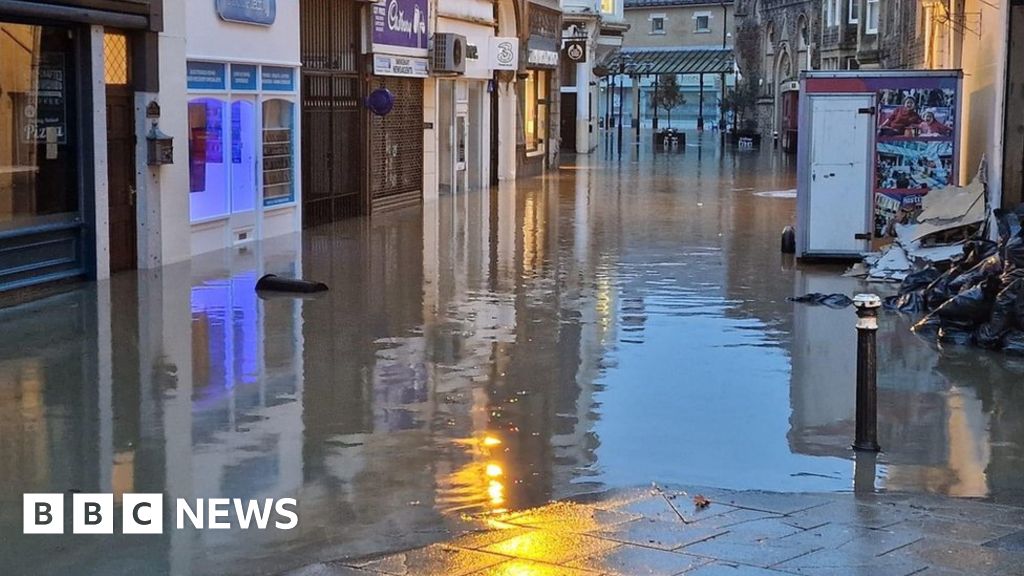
x=674 y=61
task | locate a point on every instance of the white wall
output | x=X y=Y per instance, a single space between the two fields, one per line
x=984 y=90
x=212 y=38
x=162 y=191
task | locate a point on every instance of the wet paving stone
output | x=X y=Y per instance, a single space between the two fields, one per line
x=628 y=560
x=762 y=554
x=970 y=532
x=968 y=558
x=527 y=568
x=549 y=546
x=1011 y=542
x=723 y=569
x=851 y=512
x=430 y=561
x=660 y=535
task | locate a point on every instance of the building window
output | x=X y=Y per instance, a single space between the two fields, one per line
x=208 y=172
x=38 y=142
x=854 y=16
x=702 y=23
x=826 y=12
x=657 y=25
x=535 y=113
x=608 y=6
x=278 y=152
x=871 y=26
x=115 y=59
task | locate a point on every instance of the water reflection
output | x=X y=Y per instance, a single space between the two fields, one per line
x=616 y=323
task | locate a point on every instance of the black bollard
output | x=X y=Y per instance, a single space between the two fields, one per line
x=867 y=369
x=789 y=240
x=275 y=283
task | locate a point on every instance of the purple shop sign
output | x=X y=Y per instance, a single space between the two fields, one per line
x=400 y=23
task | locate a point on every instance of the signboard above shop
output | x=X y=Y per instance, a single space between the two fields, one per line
x=504 y=53
x=259 y=12
x=400 y=27
x=387 y=65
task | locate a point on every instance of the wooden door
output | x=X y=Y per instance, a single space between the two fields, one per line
x=121 y=178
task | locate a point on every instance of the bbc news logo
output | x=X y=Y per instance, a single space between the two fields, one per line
x=144 y=514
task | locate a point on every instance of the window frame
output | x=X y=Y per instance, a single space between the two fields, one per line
x=696 y=22
x=854 y=16
x=868 y=28
x=658 y=24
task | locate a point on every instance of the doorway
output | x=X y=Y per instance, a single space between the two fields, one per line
x=838 y=171
x=123 y=219
x=568 y=119
x=243 y=169
x=333 y=163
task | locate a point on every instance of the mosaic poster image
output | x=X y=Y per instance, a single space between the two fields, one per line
x=914 y=150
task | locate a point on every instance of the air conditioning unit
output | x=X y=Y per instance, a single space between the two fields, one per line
x=448 y=55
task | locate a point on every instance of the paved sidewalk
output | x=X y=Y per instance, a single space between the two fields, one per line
x=664 y=532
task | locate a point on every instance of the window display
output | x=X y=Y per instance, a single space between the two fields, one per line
x=536 y=109
x=278 y=152
x=38 y=152
x=208 y=173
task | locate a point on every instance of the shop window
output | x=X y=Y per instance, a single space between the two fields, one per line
x=278 y=152
x=38 y=143
x=536 y=110
x=208 y=169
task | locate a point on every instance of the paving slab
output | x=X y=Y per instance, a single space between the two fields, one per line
x=662 y=532
x=660 y=535
x=628 y=560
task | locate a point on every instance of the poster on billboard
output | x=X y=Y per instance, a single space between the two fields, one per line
x=915 y=149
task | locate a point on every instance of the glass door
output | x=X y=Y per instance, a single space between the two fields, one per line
x=243 y=169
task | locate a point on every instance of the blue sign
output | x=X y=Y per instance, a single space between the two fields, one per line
x=243 y=77
x=206 y=75
x=262 y=12
x=278 y=79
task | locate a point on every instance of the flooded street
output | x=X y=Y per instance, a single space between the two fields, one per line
x=615 y=323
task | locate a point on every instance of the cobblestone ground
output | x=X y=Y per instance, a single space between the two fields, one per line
x=666 y=531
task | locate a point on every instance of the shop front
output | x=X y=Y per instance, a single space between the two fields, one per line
x=55 y=206
x=399 y=49
x=539 y=92
x=243 y=129
x=463 y=121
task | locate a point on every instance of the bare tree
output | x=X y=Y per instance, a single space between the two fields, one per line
x=668 y=96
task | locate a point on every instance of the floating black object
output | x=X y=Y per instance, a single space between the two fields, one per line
x=274 y=283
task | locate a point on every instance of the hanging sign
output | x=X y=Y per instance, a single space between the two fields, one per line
x=387 y=65
x=260 y=12
x=576 y=51
x=504 y=53
x=401 y=24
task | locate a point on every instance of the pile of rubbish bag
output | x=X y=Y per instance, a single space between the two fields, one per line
x=977 y=298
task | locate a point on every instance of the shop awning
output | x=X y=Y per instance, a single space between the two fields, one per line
x=675 y=60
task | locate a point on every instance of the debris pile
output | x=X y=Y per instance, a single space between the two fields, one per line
x=948 y=218
x=978 y=298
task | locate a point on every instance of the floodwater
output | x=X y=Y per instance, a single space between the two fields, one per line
x=615 y=323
